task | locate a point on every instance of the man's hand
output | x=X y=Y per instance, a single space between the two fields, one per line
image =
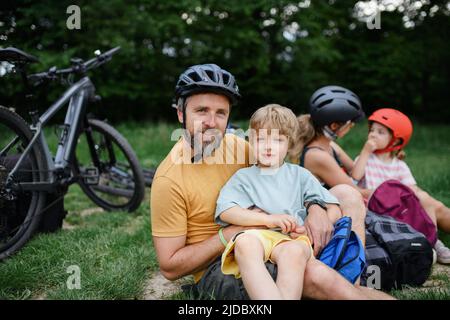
x=318 y=227
x=231 y=230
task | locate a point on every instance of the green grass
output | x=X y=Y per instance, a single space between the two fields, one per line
x=114 y=250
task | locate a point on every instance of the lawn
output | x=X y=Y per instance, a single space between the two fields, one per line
x=114 y=252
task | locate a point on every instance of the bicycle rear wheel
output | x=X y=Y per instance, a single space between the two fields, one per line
x=20 y=212
x=120 y=184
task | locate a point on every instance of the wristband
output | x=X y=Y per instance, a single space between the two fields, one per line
x=319 y=203
x=222 y=238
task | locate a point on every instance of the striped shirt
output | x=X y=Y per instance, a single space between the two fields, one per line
x=377 y=172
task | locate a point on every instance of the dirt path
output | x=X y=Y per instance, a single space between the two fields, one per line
x=158 y=287
x=83 y=213
x=88 y=212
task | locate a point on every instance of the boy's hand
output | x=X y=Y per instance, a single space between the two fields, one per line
x=286 y=222
x=299 y=230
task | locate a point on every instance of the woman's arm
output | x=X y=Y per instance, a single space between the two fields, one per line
x=325 y=168
x=346 y=160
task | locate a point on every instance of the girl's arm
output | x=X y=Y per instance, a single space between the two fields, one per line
x=359 y=169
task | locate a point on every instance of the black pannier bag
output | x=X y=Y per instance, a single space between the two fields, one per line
x=403 y=255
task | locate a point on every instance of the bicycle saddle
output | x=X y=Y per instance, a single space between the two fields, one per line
x=14 y=55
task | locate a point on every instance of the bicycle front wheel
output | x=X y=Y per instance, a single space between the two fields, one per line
x=108 y=169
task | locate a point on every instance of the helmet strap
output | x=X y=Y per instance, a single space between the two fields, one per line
x=330 y=134
x=187 y=136
x=183 y=107
x=390 y=147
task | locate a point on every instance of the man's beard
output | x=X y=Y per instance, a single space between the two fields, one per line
x=203 y=149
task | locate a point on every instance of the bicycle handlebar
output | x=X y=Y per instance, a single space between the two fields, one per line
x=102 y=57
x=80 y=67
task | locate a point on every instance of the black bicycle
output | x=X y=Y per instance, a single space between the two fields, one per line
x=90 y=152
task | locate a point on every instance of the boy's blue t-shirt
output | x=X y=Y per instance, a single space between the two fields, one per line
x=276 y=191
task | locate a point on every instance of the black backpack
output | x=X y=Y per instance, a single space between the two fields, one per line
x=402 y=255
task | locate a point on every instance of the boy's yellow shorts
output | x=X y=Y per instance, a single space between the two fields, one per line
x=269 y=240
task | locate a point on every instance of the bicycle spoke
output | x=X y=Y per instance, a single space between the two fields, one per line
x=110 y=149
x=119 y=183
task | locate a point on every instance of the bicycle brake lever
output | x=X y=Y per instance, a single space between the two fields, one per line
x=78 y=65
x=104 y=57
x=35 y=80
x=96 y=98
x=76 y=61
x=51 y=74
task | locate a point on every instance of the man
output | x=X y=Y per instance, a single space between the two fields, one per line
x=187 y=184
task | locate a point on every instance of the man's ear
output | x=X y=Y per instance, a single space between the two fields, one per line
x=180 y=115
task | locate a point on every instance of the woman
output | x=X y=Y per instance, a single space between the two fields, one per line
x=333 y=112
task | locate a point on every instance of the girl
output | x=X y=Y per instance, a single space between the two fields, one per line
x=381 y=160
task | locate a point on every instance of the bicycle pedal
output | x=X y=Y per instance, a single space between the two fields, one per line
x=90 y=176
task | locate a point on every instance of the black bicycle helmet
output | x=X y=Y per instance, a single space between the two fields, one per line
x=203 y=78
x=334 y=104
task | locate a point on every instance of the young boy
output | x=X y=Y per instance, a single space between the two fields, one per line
x=284 y=193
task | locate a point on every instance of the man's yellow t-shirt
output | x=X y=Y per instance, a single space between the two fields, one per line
x=184 y=194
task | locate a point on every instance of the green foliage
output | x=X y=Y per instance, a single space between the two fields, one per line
x=394 y=66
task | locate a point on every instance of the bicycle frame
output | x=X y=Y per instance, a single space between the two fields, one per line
x=77 y=96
